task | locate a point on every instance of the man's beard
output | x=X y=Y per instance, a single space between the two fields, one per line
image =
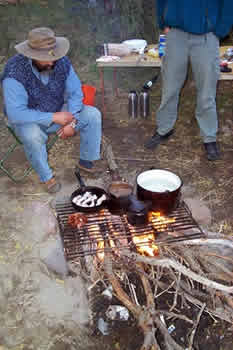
x=43 y=68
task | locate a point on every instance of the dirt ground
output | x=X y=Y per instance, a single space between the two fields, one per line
x=35 y=312
x=183 y=154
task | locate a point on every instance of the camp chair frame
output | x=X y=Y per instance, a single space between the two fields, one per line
x=14 y=145
x=11 y=149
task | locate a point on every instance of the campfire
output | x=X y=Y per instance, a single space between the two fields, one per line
x=163 y=254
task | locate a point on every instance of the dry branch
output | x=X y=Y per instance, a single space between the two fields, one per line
x=214 y=240
x=180 y=271
x=148 y=291
x=170 y=314
x=195 y=328
x=122 y=296
x=170 y=343
x=169 y=263
x=107 y=152
x=221 y=314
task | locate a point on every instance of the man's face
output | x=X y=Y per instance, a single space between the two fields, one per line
x=44 y=65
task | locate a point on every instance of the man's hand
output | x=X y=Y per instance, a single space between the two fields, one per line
x=62 y=118
x=66 y=131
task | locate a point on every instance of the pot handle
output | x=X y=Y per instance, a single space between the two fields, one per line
x=80 y=179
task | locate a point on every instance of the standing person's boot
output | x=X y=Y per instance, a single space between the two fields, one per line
x=212 y=151
x=157 y=139
x=89 y=167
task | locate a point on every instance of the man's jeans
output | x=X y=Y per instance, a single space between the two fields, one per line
x=203 y=53
x=34 y=138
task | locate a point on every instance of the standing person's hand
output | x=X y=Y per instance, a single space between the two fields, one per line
x=62 y=118
x=166 y=30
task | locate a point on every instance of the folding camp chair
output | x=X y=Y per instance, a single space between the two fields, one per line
x=11 y=149
x=13 y=146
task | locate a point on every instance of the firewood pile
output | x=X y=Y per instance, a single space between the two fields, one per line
x=195 y=273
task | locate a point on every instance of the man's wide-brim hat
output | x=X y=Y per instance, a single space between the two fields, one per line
x=43 y=45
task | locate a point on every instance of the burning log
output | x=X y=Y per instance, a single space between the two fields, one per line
x=145 y=243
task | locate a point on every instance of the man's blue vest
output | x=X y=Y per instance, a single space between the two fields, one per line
x=45 y=98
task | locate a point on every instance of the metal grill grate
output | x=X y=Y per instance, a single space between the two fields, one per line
x=104 y=231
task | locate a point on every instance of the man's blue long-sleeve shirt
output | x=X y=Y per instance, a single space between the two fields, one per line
x=16 y=99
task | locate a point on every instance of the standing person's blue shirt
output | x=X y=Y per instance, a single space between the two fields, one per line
x=193 y=29
x=196 y=16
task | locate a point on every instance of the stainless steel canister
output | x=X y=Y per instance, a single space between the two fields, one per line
x=133 y=104
x=105 y=49
x=144 y=104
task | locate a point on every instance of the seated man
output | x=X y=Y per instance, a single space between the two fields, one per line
x=43 y=95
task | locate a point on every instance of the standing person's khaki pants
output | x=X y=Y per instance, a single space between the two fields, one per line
x=203 y=53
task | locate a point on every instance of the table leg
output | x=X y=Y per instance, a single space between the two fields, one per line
x=115 y=82
x=101 y=73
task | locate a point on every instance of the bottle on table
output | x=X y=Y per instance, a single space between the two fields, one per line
x=148 y=84
x=162 y=45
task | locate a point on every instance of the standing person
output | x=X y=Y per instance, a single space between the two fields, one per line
x=193 y=29
x=43 y=95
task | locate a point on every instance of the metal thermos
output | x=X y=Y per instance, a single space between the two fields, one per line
x=144 y=104
x=105 y=49
x=133 y=104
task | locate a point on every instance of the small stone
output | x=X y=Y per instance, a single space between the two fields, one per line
x=52 y=254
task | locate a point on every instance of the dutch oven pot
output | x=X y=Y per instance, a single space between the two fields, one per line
x=161 y=187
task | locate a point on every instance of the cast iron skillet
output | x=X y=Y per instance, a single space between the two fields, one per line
x=94 y=190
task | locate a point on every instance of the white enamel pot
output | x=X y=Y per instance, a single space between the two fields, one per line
x=161 y=187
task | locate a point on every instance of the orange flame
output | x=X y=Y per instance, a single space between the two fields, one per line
x=101 y=245
x=159 y=221
x=145 y=245
x=143 y=242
